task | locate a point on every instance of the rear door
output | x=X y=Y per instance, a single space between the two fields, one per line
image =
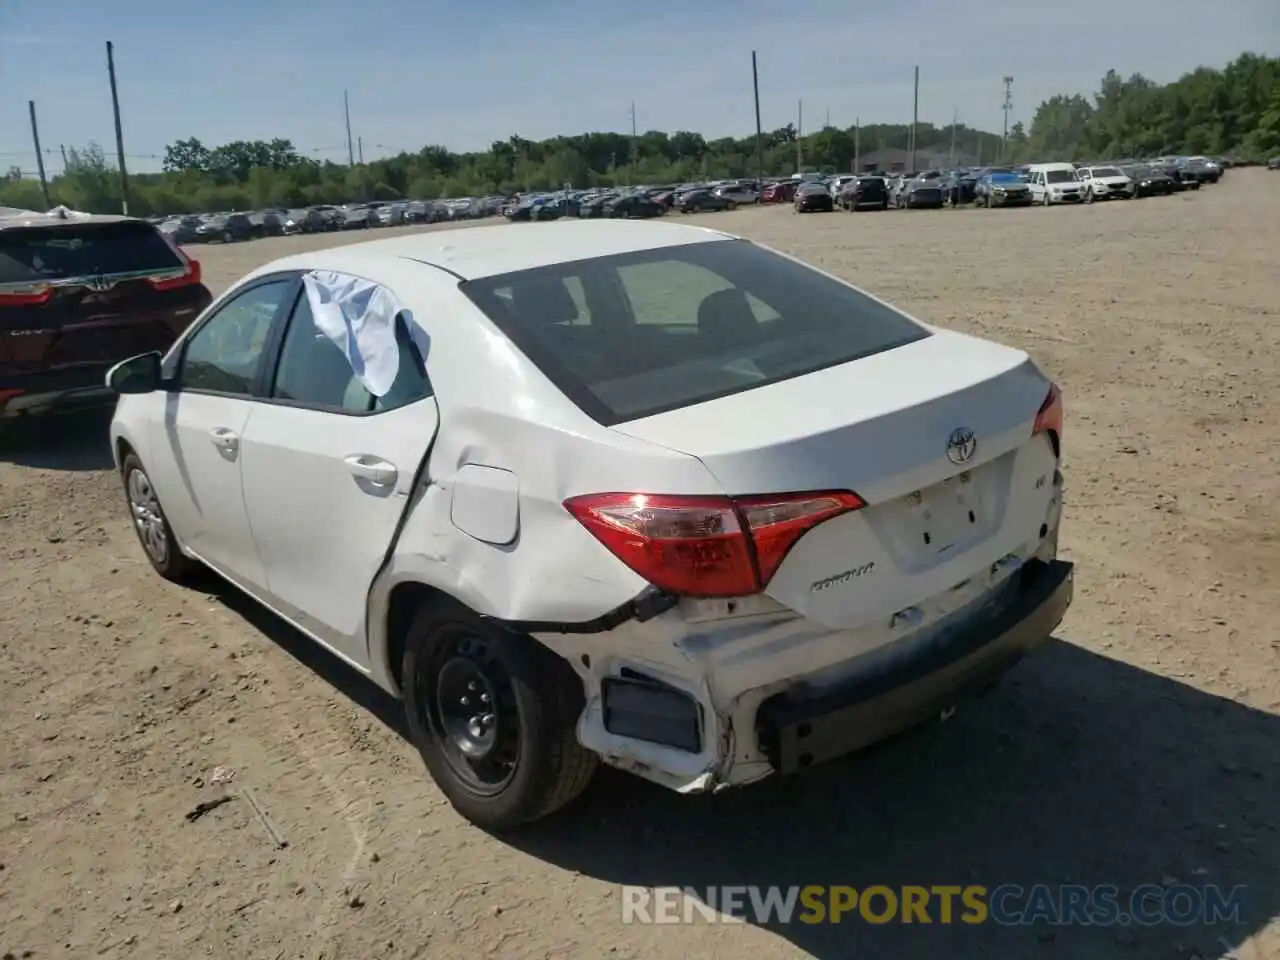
x=328 y=470
x=83 y=295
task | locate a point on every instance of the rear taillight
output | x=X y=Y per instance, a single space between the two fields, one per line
x=191 y=270
x=190 y=276
x=30 y=296
x=1049 y=417
x=706 y=546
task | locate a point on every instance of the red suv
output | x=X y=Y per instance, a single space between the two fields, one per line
x=79 y=293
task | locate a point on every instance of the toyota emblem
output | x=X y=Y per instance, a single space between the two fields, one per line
x=961 y=445
x=99 y=284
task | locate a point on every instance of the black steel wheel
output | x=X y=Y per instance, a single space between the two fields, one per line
x=473 y=712
x=494 y=715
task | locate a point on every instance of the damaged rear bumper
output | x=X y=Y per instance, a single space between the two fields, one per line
x=796 y=732
x=697 y=713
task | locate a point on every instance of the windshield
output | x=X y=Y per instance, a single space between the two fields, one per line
x=1059 y=176
x=1106 y=172
x=636 y=334
x=83 y=250
x=1005 y=178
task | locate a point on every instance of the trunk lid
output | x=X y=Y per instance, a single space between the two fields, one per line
x=935 y=436
x=91 y=294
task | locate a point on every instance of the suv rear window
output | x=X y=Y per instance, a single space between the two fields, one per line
x=636 y=334
x=62 y=252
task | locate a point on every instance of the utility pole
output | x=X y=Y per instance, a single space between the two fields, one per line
x=799 y=136
x=360 y=148
x=35 y=138
x=115 y=107
x=346 y=107
x=857 y=145
x=632 y=175
x=1008 y=105
x=63 y=148
x=915 y=122
x=755 y=84
x=951 y=157
x=826 y=125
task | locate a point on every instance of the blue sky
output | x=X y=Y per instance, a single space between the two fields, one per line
x=463 y=75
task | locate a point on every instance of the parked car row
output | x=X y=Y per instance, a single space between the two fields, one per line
x=233 y=226
x=1043 y=184
x=637 y=202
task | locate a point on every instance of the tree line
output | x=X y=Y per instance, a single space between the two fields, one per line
x=1233 y=111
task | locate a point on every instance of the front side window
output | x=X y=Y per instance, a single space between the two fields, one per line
x=225 y=354
x=671 y=327
x=313 y=372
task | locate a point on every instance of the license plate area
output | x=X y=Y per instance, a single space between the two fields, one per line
x=948 y=516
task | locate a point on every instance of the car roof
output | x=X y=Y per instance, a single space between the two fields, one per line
x=12 y=218
x=471 y=253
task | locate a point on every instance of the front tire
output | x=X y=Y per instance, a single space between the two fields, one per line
x=494 y=716
x=151 y=525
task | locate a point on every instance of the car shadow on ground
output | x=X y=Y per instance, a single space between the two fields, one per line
x=385 y=708
x=73 y=442
x=1075 y=770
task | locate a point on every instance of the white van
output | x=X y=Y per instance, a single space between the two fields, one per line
x=1054 y=183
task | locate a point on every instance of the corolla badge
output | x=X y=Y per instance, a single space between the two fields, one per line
x=961 y=445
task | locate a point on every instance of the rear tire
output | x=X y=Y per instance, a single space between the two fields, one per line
x=151 y=525
x=494 y=716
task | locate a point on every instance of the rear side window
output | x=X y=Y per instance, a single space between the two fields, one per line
x=313 y=372
x=74 y=250
x=636 y=334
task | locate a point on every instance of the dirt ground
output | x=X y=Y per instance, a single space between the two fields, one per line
x=1143 y=746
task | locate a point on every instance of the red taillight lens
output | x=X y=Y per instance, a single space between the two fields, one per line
x=1049 y=417
x=192 y=275
x=32 y=296
x=706 y=546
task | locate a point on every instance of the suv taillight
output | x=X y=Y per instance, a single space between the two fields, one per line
x=192 y=273
x=702 y=546
x=26 y=296
x=1049 y=418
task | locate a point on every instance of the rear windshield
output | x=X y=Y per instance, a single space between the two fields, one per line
x=32 y=254
x=635 y=334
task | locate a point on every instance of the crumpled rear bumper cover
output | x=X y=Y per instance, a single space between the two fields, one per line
x=797 y=732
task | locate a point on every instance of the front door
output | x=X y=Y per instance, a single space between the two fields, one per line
x=202 y=425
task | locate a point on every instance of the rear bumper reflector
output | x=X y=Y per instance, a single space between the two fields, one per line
x=653 y=712
x=796 y=733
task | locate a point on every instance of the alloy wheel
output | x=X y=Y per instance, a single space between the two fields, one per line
x=147 y=518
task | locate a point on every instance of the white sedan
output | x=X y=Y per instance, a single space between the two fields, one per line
x=623 y=491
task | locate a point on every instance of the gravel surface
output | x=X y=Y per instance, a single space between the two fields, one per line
x=1143 y=746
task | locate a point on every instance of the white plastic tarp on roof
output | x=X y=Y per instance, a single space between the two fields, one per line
x=61 y=212
x=359 y=316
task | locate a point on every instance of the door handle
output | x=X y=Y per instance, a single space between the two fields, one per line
x=224 y=439
x=373 y=469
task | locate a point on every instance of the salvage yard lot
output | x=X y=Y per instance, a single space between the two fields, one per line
x=1142 y=745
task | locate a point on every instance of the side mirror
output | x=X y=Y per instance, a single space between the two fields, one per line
x=140 y=374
